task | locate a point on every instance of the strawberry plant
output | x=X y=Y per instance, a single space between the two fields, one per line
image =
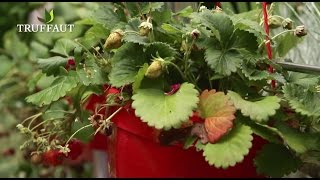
x=20 y=77
x=203 y=71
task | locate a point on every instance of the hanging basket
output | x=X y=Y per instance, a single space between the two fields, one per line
x=134 y=152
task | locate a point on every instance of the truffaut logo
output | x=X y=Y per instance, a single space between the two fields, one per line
x=46 y=27
x=48 y=17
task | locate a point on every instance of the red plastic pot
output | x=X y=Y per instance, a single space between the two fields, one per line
x=134 y=152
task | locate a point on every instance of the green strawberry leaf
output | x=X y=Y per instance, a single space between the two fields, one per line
x=92 y=74
x=86 y=134
x=276 y=160
x=151 y=6
x=299 y=141
x=302 y=99
x=189 y=142
x=231 y=149
x=132 y=33
x=58 y=89
x=223 y=63
x=165 y=111
x=38 y=50
x=94 y=35
x=106 y=16
x=64 y=47
x=135 y=38
x=253 y=74
x=185 y=12
x=218 y=111
x=240 y=40
x=248 y=25
x=51 y=66
x=303 y=79
x=126 y=63
x=139 y=77
x=285 y=43
x=161 y=16
x=163 y=49
x=268 y=133
x=217 y=21
x=258 y=110
x=171 y=29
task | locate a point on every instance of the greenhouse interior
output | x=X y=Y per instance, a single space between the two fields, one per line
x=160 y=89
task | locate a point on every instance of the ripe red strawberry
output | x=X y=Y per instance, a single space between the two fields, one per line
x=113 y=90
x=76 y=149
x=52 y=158
x=70 y=64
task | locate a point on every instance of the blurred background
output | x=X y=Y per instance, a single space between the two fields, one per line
x=20 y=51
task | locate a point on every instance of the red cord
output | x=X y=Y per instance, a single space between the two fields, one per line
x=268 y=45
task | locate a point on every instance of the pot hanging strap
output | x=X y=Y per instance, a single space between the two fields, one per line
x=268 y=45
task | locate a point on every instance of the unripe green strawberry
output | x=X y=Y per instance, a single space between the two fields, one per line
x=114 y=39
x=287 y=23
x=275 y=22
x=145 y=28
x=155 y=68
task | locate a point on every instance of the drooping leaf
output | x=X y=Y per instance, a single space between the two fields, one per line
x=126 y=63
x=64 y=47
x=302 y=99
x=218 y=112
x=139 y=77
x=258 y=110
x=276 y=160
x=51 y=66
x=58 y=89
x=299 y=141
x=231 y=149
x=165 y=111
